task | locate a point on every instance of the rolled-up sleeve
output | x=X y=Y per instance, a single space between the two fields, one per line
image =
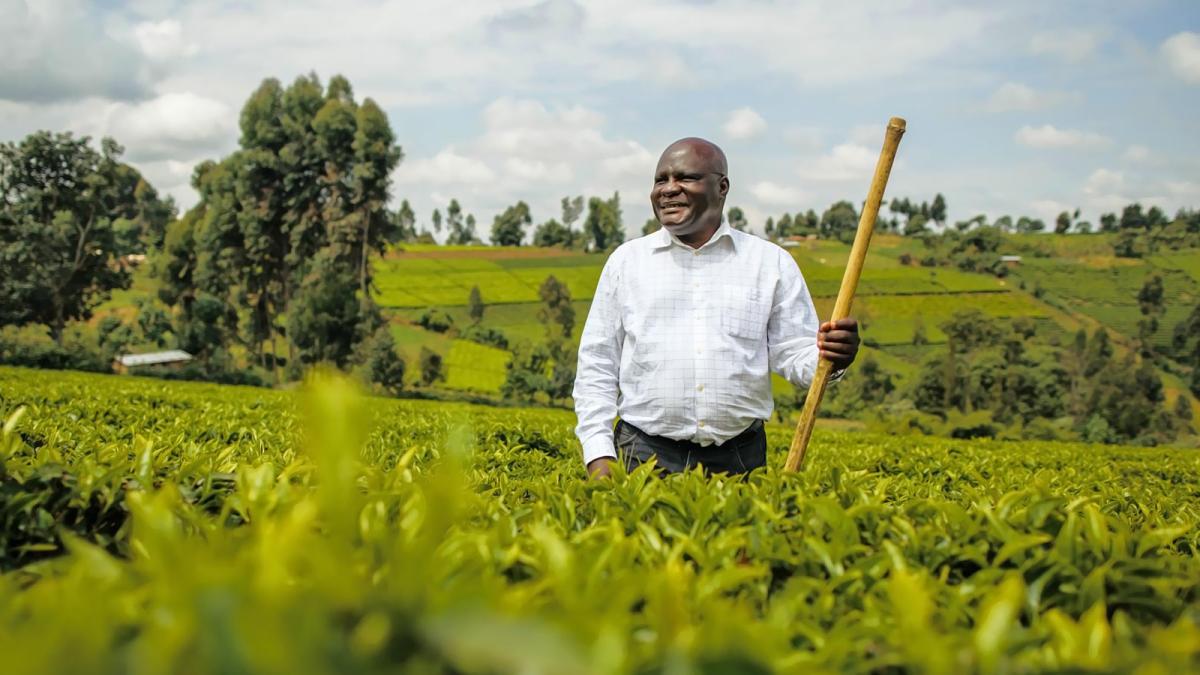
x=792 y=327
x=597 y=372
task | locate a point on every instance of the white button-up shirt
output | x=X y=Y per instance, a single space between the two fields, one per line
x=679 y=341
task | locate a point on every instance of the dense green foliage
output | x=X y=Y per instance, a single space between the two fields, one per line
x=166 y=527
x=279 y=246
x=68 y=214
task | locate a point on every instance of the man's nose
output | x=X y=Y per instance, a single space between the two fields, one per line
x=671 y=186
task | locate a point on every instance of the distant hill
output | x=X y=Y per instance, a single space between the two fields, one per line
x=1063 y=282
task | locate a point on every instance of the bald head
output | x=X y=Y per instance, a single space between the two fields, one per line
x=690 y=185
x=708 y=151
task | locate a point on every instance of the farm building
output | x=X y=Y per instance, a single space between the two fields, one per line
x=171 y=357
x=1011 y=260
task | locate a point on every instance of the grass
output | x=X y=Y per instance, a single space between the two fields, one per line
x=475 y=367
x=891 y=319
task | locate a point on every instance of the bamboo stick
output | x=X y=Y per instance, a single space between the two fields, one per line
x=845 y=297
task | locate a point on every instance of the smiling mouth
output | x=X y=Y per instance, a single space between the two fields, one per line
x=671 y=206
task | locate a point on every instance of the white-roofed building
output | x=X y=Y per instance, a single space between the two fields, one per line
x=170 y=357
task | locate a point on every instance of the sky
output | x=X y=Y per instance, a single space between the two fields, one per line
x=1020 y=108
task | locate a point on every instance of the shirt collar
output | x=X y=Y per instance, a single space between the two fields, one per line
x=664 y=239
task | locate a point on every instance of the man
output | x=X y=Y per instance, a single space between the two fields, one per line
x=684 y=326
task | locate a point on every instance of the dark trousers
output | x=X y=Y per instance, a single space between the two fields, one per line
x=741 y=454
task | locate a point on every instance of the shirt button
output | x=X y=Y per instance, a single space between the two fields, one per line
x=695 y=252
x=700 y=388
x=701 y=424
x=698 y=351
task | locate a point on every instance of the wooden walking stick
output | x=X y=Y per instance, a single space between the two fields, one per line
x=845 y=297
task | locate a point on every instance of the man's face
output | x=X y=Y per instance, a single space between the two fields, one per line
x=689 y=193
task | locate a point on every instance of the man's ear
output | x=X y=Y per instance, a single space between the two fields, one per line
x=724 y=186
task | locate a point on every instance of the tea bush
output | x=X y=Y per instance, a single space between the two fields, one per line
x=152 y=526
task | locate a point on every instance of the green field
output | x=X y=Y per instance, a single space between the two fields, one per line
x=1081 y=283
x=153 y=526
x=475 y=367
x=1106 y=289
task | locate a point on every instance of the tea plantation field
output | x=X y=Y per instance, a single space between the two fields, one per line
x=892 y=297
x=148 y=526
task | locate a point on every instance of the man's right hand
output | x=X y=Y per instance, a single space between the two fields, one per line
x=601 y=467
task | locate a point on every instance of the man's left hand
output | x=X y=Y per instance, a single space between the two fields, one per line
x=838 y=342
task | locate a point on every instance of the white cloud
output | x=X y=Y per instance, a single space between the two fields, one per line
x=1048 y=210
x=535 y=152
x=1187 y=192
x=162 y=40
x=1103 y=181
x=1182 y=53
x=848 y=161
x=773 y=194
x=1106 y=190
x=1014 y=96
x=1137 y=153
x=867 y=135
x=447 y=167
x=1072 y=45
x=744 y=123
x=59 y=50
x=1050 y=137
x=806 y=139
x=177 y=125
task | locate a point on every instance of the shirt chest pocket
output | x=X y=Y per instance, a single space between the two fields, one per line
x=745 y=311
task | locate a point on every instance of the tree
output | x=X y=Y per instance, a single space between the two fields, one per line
x=562 y=375
x=737 y=218
x=915 y=226
x=1183 y=410
x=937 y=210
x=556 y=307
x=67 y=215
x=475 y=305
x=324 y=321
x=840 y=222
x=1028 y=225
x=528 y=372
x=508 y=228
x=652 y=225
x=153 y=323
x=1062 y=224
x=1132 y=218
x=461 y=232
x=311 y=175
x=431 y=367
x=572 y=208
x=918 y=336
x=1108 y=222
x=1186 y=344
x=375 y=157
x=379 y=365
x=404 y=223
x=603 y=223
x=1150 y=303
x=435 y=320
x=552 y=233
x=1099 y=352
x=436 y=219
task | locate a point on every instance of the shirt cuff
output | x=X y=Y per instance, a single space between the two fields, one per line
x=595 y=447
